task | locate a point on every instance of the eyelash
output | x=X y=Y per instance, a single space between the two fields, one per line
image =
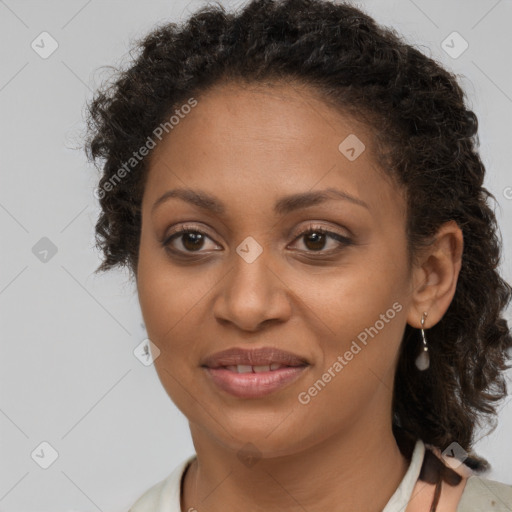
x=342 y=240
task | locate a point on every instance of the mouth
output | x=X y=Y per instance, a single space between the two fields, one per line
x=253 y=384
x=257 y=359
x=253 y=373
x=247 y=368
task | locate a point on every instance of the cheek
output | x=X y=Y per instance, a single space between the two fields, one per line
x=162 y=292
x=167 y=301
x=355 y=295
x=359 y=352
x=359 y=311
x=365 y=332
x=172 y=303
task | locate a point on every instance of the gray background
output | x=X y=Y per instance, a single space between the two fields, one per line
x=68 y=373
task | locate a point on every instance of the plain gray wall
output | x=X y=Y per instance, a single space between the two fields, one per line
x=68 y=373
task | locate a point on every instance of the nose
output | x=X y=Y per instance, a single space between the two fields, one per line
x=252 y=295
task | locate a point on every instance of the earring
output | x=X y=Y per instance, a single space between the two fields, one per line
x=423 y=360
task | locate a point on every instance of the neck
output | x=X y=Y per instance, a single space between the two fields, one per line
x=358 y=469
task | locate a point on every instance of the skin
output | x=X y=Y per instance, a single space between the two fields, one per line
x=249 y=146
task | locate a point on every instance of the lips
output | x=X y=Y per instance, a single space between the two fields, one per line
x=253 y=373
x=253 y=360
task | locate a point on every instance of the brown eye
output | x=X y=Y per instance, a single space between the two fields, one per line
x=190 y=240
x=316 y=238
x=315 y=241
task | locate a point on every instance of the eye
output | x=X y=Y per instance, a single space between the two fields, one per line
x=190 y=238
x=316 y=237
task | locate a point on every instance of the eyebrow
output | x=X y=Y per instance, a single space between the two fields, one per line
x=284 y=205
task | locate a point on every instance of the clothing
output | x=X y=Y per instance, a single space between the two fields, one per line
x=479 y=495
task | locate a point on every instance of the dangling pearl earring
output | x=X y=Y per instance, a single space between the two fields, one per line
x=423 y=360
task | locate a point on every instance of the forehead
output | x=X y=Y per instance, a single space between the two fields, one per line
x=282 y=139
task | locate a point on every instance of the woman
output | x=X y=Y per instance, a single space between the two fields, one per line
x=298 y=195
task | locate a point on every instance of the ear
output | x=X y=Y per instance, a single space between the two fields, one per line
x=435 y=278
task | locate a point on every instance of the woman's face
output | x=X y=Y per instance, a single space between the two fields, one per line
x=252 y=280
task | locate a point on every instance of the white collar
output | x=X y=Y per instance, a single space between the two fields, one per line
x=401 y=497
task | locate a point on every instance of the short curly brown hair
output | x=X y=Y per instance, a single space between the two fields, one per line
x=426 y=139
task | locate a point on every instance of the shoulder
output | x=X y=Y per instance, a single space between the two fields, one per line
x=165 y=494
x=483 y=494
